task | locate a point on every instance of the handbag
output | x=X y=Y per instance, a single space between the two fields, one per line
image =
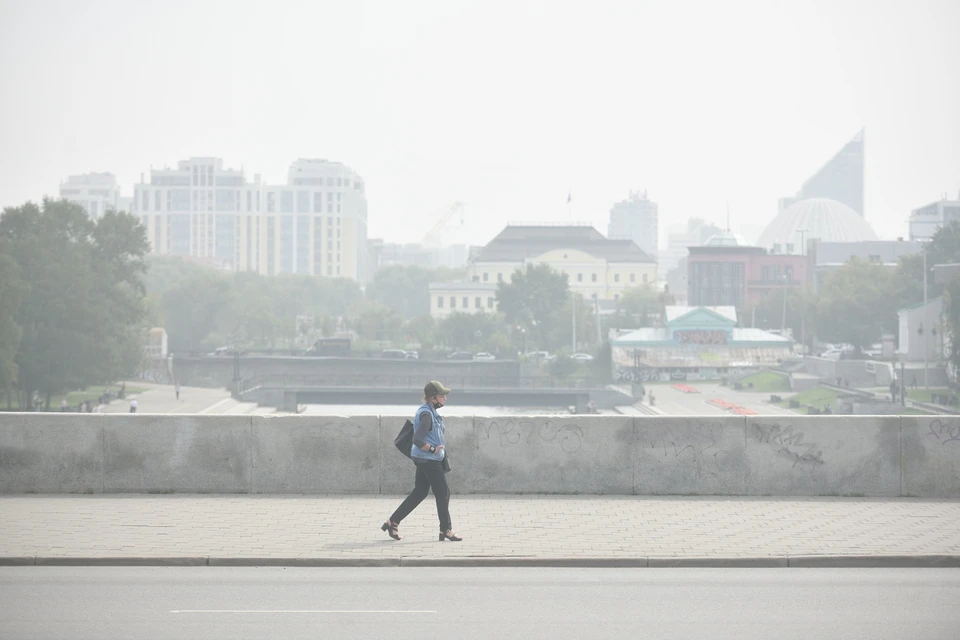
x=404 y=439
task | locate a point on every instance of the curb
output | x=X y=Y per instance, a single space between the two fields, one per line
x=851 y=561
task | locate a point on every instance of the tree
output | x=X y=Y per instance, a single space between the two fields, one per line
x=469 y=331
x=82 y=318
x=12 y=293
x=533 y=299
x=405 y=289
x=194 y=309
x=855 y=304
x=801 y=312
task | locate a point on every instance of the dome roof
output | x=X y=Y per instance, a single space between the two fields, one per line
x=726 y=239
x=821 y=218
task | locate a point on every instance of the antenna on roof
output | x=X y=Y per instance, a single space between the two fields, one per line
x=728 y=215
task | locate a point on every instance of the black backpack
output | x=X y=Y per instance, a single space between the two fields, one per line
x=404 y=439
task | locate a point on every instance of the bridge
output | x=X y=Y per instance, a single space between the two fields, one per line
x=288 y=392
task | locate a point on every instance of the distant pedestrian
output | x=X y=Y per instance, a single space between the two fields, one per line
x=428 y=453
x=123 y=390
x=913 y=381
x=133 y=405
x=63 y=405
x=177 y=389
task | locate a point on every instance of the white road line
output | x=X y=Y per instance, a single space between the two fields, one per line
x=296 y=611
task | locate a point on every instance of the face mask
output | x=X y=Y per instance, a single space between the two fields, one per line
x=437 y=404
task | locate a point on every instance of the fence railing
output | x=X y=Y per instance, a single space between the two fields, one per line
x=374 y=381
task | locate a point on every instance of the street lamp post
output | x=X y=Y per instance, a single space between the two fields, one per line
x=573 y=298
x=926 y=322
x=783 y=317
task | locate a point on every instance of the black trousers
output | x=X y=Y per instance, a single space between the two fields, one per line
x=430 y=475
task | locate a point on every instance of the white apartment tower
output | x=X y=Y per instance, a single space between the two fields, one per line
x=95 y=192
x=314 y=224
x=635 y=219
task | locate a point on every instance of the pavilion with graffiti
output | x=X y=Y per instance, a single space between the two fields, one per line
x=697 y=343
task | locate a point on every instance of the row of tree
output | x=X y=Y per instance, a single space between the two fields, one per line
x=203 y=309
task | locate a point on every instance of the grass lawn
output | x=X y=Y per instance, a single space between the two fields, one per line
x=74 y=398
x=819 y=397
x=923 y=395
x=766 y=382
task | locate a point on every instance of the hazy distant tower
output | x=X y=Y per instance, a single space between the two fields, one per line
x=635 y=219
x=840 y=179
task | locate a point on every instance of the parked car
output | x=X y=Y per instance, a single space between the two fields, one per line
x=582 y=357
x=412 y=355
x=460 y=355
x=539 y=355
x=483 y=355
x=394 y=354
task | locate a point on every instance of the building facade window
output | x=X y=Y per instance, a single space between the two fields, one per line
x=633 y=277
x=485 y=274
x=644 y=278
x=499 y=277
x=579 y=277
x=616 y=277
x=453 y=302
x=439 y=302
x=593 y=277
x=476 y=303
x=490 y=302
x=466 y=302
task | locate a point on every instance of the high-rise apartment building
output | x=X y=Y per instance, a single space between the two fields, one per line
x=635 y=219
x=840 y=179
x=95 y=192
x=694 y=234
x=925 y=221
x=314 y=224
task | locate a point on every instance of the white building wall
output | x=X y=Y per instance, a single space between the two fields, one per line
x=97 y=193
x=316 y=224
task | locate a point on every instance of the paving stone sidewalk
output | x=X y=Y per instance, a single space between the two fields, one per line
x=497 y=530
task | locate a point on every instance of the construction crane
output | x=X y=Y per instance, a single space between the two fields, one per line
x=434 y=237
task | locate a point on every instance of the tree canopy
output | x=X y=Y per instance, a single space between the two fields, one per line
x=81 y=315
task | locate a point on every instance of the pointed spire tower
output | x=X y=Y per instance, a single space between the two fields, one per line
x=840 y=179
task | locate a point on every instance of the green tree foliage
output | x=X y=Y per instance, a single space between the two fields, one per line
x=82 y=320
x=801 y=312
x=534 y=300
x=404 y=289
x=203 y=309
x=467 y=331
x=193 y=309
x=378 y=323
x=12 y=293
x=855 y=304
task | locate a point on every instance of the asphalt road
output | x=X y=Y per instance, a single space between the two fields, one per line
x=741 y=604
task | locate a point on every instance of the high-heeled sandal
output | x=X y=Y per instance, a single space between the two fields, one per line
x=452 y=537
x=391 y=529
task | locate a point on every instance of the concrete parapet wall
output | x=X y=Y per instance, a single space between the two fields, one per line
x=755 y=455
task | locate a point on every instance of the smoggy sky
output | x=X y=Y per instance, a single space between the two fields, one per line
x=505 y=106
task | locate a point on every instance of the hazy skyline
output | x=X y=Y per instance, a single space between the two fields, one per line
x=507 y=107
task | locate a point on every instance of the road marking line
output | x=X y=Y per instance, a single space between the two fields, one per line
x=295 y=611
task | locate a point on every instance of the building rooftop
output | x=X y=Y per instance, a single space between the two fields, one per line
x=676 y=312
x=519 y=242
x=821 y=218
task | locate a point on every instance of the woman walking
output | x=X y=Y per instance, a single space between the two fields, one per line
x=428 y=452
